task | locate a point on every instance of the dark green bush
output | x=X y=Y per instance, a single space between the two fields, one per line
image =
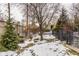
x=10 y=38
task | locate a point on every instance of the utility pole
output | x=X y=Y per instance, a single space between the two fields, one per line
x=9 y=11
x=27 y=22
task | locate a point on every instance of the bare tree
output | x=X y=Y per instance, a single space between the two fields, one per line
x=0 y=10
x=43 y=12
x=1 y=13
x=26 y=13
x=75 y=11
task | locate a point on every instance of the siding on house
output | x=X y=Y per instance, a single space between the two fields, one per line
x=2 y=24
x=18 y=28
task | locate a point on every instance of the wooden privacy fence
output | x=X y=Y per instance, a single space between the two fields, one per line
x=71 y=38
x=64 y=36
x=75 y=39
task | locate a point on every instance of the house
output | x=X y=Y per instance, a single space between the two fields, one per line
x=18 y=27
x=2 y=24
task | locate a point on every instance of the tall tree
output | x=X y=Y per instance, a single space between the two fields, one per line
x=63 y=19
x=25 y=10
x=75 y=11
x=43 y=12
x=9 y=39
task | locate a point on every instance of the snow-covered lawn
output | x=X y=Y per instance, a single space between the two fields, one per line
x=44 y=37
x=40 y=48
x=37 y=38
x=8 y=53
x=25 y=43
x=46 y=49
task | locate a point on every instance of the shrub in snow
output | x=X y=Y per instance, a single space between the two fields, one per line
x=21 y=41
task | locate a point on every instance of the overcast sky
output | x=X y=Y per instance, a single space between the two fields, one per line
x=18 y=15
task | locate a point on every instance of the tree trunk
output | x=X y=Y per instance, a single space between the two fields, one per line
x=9 y=11
x=41 y=32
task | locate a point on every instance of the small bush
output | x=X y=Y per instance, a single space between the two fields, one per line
x=36 y=40
x=2 y=48
x=21 y=36
x=21 y=41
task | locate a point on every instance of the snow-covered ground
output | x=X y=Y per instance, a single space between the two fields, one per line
x=46 y=49
x=8 y=53
x=45 y=37
x=40 y=48
x=25 y=43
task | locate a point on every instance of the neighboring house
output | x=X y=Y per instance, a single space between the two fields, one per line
x=2 y=24
x=18 y=27
x=33 y=27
